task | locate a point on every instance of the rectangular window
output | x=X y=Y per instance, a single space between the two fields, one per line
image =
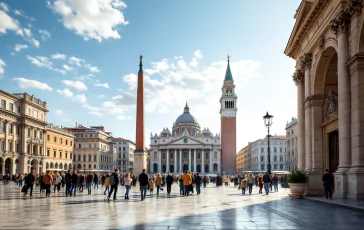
x=95 y=159
x=79 y=146
x=66 y=142
x=19 y=110
x=48 y=152
x=18 y=147
x=89 y=145
x=10 y=128
x=60 y=140
x=71 y=143
x=35 y=134
x=48 y=138
x=2 y=145
x=66 y=155
x=3 y=104
x=84 y=157
x=11 y=107
x=262 y=167
x=60 y=154
x=89 y=158
x=28 y=132
x=54 y=139
x=41 y=134
x=79 y=157
x=123 y=148
x=2 y=127
x=54 y=153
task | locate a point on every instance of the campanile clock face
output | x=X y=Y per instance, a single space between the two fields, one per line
x=185 y=140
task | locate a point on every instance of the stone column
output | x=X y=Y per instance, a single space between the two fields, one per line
x=306 y=61
x=203 y=161
x=195 y=160
x=160 y=160
x=340 y=26
x=189 y=160
x=356 y=65
x=298 y=78
x=168 y=161
x=180 y=151
x=6 y=141
x=175 y=161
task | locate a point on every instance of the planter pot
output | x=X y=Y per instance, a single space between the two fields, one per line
x=297 y=189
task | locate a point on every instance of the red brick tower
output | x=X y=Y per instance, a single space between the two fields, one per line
x=228 y=123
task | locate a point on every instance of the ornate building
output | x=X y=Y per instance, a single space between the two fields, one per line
x=22 y=133
x=186 y=147
x=124 y=154
x=291 y=145
x=228 y=110
x=327 y=43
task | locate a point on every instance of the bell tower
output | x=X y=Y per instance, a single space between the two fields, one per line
x=228 y=112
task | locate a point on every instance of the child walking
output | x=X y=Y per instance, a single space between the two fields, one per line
x=151 y=186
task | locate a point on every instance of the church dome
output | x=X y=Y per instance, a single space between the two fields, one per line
x=186 y=117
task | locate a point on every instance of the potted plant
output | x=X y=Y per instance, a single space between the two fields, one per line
x=297 y=181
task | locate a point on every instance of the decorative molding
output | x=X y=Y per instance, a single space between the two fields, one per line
x=306 y=61
x=341 y=23
x=355 y=7
x=299 y=77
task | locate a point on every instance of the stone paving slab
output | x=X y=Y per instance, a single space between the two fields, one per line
x=215 y=208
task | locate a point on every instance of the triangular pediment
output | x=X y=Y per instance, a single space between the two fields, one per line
x=182 y=141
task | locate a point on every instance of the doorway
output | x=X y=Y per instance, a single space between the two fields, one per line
x=333 y=151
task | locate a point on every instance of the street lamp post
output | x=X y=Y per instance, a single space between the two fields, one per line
x=268 y=121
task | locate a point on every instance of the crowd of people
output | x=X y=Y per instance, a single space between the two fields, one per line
x=75 y=182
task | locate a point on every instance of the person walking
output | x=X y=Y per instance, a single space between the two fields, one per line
x=198 y=181
x=57 y=183
x=250 y=181
x=275 y=181
x=107 y=184
x=181 y=187
x=244 y=183
x=158 y=182
x=266 y=180
x=96 y=181
x=143 y=182
x=67 y=180
x=81 y=181
x=74 y=182
x=151 y=186
x=48 y=180
x=127 y=183
x=89 y=179
x=260 y=183
x=187 y=181
x=20 y=180
x=29 y=181
x=204 y=181
x=114 y=182
x=327 y=181
x=169 y=180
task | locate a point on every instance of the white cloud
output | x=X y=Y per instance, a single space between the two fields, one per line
x=32 y=84
x=66 y=92
x=198 y=54
x=86 y=77
x=93 y=69
x=105 y=85
x=76 y=61
x=40 y=61
x=67 y=68
x=27 y=32
x=80 y=98
x=4 y=6
x=91 y=19
x=45 y=35
x=19 y=47
x=79 y=85
x=194 y=62
x=2 y=71
x=158 y=67
x=131 y=80
x=59 y=56
x=7 y=22
x=35 y=42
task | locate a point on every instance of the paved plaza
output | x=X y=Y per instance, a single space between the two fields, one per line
x=215 y=208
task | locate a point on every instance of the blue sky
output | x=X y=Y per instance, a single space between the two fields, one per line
x=82 y=57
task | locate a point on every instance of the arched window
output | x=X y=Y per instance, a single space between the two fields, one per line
x=155 y=155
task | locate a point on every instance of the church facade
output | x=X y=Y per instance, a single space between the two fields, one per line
x=185 y=147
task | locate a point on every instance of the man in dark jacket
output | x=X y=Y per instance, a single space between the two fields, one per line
x=169 y=180
x=327 y=181
x=143 y=182
x=74 y=181
x=29 y=181
x=266 y=180
x=89 y=179
x=67 y=180
x=198 y=181
x=96 y=181
x=114 y=186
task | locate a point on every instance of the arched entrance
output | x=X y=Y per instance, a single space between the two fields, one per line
x=215 y=167
x=65 y=167
x=199 y=168
x=2 y=166
x=333 y=151
x=9 y=166
x=164 y=168
x=185 y=167
x=155 y=167
x=207 y=168
x=34 y=165
x=171 y=168
x=70 y=166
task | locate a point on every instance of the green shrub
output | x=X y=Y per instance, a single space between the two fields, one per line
x=297 y=176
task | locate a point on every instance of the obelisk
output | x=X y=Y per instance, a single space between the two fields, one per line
x=140 y=154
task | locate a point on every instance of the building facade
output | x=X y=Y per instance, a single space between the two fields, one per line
x=186 y=147
x=59 y=149
x=259 y=154
x=228 y=110
x=327 y=42
x=291 y=158
x=125 y=154
x=92 y=149
x=22 y=133
x=244 y=159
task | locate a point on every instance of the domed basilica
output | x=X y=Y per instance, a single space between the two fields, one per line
x=186 y=147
